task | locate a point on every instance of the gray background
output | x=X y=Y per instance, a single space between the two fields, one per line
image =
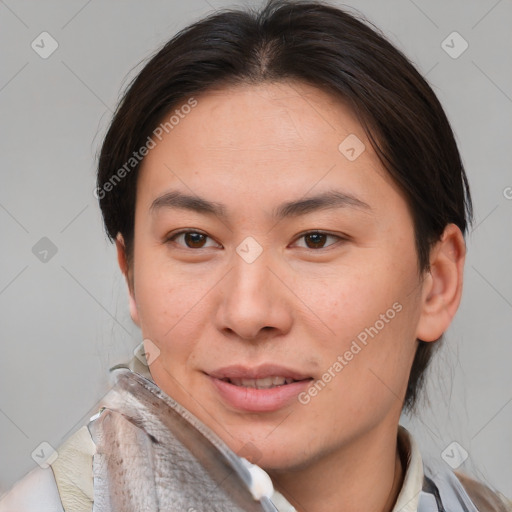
x=65 y=321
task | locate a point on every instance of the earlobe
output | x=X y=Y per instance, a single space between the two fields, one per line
x=442 y=287
x=123 y=265
x=134 y=312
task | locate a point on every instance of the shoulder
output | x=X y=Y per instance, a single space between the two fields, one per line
x=485 y=499
x=35 y=492
x=66 y=485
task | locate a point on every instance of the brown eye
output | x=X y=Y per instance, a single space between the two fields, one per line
x=318 y=240
x=190 y=239
x=315 y=240
x=194 y=240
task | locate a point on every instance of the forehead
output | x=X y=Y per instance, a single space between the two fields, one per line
x=264 y=141
x=270 y=117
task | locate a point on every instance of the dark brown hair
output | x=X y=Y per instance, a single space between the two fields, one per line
x=318 y=44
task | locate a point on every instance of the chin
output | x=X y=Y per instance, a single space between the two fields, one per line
x=283 y=462
x=271 y=452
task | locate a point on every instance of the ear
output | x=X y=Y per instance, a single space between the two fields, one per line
x=442 y=287
x=128 y=275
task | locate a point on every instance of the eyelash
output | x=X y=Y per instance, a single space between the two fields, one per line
x=172 y=237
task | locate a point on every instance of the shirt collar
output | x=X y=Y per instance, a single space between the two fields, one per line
x=409 y=495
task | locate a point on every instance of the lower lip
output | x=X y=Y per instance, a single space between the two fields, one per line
x=259 y=400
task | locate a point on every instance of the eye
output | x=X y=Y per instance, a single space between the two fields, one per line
x=192 y=239
x=317 y=239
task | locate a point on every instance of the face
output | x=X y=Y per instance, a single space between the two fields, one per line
x=275 y=270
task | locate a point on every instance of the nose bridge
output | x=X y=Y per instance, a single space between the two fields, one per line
x=254 y=298
x=250 y=277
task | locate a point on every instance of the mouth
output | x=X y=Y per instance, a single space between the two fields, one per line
x=264 y=388
x=265 y=383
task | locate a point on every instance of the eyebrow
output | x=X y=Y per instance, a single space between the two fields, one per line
x=326 y=200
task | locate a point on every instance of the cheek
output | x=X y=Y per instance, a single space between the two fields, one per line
x=371 y=312
x=356 y=295
x=157 y=293
x=366 y=380
x=172 y=305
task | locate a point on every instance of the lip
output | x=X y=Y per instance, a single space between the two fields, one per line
x=258 y=400
x=257 y=372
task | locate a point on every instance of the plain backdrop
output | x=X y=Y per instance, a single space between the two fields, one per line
x=63 y=313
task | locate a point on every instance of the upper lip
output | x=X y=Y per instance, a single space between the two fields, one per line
x=257 y=372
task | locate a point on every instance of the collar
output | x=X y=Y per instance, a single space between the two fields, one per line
x=409 y=495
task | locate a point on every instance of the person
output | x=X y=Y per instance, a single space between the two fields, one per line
x=289 y=206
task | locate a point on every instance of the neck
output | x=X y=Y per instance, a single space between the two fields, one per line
x=365 y=475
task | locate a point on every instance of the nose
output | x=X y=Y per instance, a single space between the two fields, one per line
x=256 y=304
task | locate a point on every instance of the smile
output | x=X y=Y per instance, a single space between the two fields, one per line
x=266 y=383
x=263 y=388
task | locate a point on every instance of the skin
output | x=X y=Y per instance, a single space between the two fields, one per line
x=302 y=301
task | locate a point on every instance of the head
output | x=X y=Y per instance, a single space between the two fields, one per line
x=286 y=195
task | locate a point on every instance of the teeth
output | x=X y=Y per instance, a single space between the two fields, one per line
x=266 y=383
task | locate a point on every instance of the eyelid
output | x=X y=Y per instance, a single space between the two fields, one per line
x=170 y=236
x=340 y=237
